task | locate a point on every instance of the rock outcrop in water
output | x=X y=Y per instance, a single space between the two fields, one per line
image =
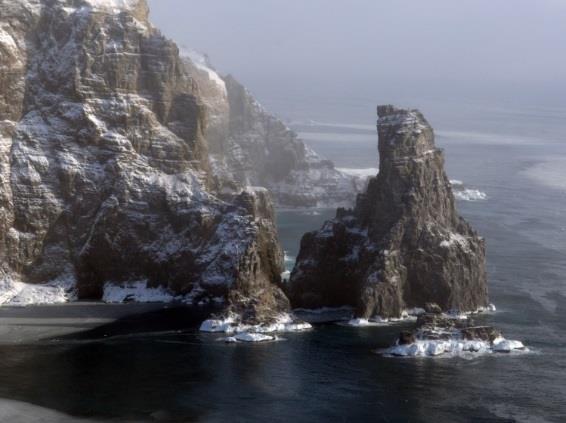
x=104 y=166
x=403 y=245
x=250 y=147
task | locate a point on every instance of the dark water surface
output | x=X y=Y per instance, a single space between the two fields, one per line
x=149 y=363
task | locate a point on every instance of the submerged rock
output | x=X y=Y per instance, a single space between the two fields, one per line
x=404 y=244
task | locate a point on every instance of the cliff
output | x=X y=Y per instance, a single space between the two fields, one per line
x=404 y=244
x=250 y=147
x=104 y=167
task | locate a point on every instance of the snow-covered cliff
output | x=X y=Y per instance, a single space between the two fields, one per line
x=105 y=174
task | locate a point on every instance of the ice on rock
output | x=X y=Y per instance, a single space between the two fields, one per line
x=452 y=347
x=505 y=345
x=218 y=325
x=201 y=62
x=253 y=333
x=137 y=292
x=15 y=293
x=113 y=4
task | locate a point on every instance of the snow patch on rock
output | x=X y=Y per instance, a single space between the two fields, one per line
x=360 y=173
x=16 y=293
x=470 y=195
x=201 y=62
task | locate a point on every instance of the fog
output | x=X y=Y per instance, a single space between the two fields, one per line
x=319 y=51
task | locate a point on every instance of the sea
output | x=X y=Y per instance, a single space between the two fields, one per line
x=135 y=362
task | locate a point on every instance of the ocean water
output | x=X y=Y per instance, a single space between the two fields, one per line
x=149 y=363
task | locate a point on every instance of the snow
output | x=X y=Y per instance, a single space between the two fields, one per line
x=285 y=276
x=452 y=348
x=15 y=293
x=113 y=4
x=505 y=345
x=406 y=315
x=360 y=173
x=218 y=325
x=201 y=62
x=231 y=325
x=457 y=239
x=7 y=41
x=137 y=292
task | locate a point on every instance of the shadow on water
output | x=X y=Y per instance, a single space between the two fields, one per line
x=127 y=369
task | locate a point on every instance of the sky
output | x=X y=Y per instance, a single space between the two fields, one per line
x=498 y=51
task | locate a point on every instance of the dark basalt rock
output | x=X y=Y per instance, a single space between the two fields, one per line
x=403 y=245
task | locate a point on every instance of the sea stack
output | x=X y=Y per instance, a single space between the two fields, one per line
x=404 y=244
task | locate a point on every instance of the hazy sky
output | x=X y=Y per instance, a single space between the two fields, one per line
x=501 y=50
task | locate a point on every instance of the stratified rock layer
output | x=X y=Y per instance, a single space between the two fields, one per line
x=403 y=245
x=104 y=166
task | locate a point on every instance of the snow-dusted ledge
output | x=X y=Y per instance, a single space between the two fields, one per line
x=231 y=325
x=137 y=292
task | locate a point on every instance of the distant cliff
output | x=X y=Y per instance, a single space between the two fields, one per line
x=403 y=245
x=105 y=171
x=250 y=147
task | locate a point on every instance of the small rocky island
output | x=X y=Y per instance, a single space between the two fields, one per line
x=404 y=244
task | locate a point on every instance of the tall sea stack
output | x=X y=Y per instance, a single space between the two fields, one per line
x=404 y=244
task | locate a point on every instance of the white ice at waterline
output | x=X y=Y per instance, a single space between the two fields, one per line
x=137 y=292
x=453 y=348
x=470 y=195
x=411 y=315
x=249 y=333
x=16 y=293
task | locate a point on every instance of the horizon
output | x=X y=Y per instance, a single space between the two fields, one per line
x=438 y=53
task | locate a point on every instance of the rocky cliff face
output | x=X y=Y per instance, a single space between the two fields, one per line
x=250 y=147
x=403 y=245
x=104 y=166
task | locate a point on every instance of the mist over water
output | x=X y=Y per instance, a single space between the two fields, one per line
x=496 y=99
